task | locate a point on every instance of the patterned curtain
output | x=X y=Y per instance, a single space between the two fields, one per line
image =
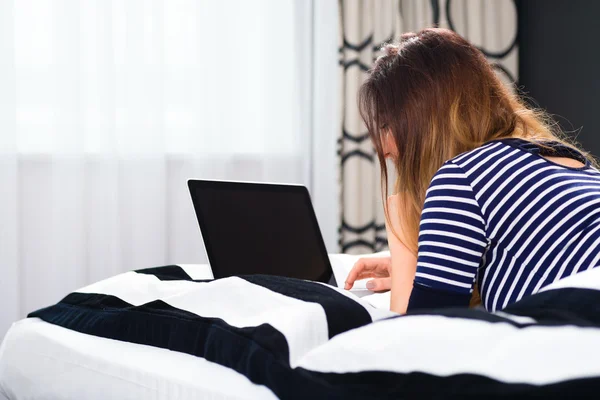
x=364 y=26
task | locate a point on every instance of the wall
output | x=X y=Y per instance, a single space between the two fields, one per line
x=559 y=62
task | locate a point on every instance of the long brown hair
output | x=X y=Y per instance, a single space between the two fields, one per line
x=438 y=97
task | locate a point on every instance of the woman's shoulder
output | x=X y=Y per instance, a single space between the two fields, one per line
x=479 y=153
x=470 y=167
x=467 y=160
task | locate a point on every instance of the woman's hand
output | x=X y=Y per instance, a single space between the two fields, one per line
x=378 y=268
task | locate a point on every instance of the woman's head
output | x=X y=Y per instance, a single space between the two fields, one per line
x=429 y=98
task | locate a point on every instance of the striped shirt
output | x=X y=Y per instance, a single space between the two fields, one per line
x=509 y=219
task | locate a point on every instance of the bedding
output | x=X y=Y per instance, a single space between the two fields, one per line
x=308 y=340
x=39 y=360
x=42 y=360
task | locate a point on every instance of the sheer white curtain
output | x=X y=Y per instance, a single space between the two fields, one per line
x=108 y=107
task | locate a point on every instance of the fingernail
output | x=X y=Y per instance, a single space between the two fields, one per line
x=370 y=285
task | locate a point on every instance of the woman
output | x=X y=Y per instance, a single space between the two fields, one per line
x=487 y=195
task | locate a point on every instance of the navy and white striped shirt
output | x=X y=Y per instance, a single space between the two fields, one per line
x=506 y=217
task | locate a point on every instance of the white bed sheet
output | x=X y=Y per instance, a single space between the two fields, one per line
x=44 y=361
x=39 y=360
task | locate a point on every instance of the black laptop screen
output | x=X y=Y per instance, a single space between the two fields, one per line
x=260 y=229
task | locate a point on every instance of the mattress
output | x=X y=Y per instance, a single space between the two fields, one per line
x=39 y=360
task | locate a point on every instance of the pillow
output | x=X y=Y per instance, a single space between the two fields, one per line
x=544 y=345
x=226 y=320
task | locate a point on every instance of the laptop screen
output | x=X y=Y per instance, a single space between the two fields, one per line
x=251 y=228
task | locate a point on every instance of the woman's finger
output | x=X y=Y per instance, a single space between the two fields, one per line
x=379 y=284
x=367 y=268
x=357 y=271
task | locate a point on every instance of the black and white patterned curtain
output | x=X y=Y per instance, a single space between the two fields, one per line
x=364 y=26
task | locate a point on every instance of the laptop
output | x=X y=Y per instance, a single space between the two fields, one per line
x=260 y=228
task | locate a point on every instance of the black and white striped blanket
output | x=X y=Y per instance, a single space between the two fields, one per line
x=308 y=340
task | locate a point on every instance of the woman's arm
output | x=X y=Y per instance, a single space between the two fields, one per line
x=404 y=262
x=452 y=241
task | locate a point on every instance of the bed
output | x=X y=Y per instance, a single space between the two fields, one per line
x=46 y=361
x=42 y=360
x=170 y=333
